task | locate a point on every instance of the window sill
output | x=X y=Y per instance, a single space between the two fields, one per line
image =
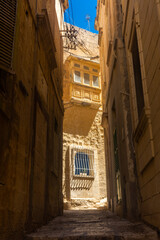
x=83 y=177
x=6 y=69
x=87 y=86
x=142 y=124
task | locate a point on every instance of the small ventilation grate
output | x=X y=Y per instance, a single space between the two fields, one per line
x=7 y=27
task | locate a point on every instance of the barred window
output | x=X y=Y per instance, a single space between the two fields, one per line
x=83 y=162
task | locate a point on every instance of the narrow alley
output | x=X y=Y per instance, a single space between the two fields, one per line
x=92 y=225
x=79 y=119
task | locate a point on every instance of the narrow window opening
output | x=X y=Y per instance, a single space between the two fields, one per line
x=3 y=76
x=116 y=156
x=56 y=126
x=137 y=75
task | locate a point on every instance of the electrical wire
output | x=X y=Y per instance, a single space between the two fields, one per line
x=69 y=18
x=87 y=56
x=72 y=12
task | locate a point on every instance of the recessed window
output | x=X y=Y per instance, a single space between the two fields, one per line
x=83 y=162
x=94 y=70
x=77 y=76
x=77 y=65
x=95 y=81
x=55 y=125
x=86 y=68
x=86 y=79
x=137 y=75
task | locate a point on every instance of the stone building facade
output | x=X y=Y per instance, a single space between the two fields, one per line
x=142 y=43
x=31 y=114
x=84 y=175
x=129 y=34
x=121 y=178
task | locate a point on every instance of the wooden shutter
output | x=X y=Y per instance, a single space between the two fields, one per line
x=7 y=27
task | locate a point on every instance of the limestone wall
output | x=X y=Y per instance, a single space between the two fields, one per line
x=120 y=161
x=31 y=115
x=146 y=127
x=93 y=138
x=129 y=39
x=82 y=119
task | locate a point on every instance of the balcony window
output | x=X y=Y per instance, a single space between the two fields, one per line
x=86 y=68
x=77 y=76
x=95 y=81
x=77 y=65
x=86 y=79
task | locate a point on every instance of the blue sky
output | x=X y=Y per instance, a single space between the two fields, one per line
x=82 y=9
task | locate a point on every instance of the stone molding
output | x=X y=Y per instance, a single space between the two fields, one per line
x=45 y=32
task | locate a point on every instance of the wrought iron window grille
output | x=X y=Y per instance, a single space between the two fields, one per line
x=82 y=162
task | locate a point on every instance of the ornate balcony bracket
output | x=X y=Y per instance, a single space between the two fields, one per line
x=84 y=103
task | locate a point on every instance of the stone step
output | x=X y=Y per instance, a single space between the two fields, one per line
x=85 y=204
x=92 y=225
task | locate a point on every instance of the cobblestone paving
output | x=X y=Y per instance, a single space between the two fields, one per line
x=92 y=224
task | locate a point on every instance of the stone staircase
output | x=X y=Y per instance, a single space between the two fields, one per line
x=92 y=225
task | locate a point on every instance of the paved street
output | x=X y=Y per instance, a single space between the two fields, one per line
x=92 y=224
